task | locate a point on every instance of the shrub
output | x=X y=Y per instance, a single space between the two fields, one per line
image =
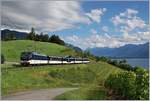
x=2 y=59
x=142 y=83
x=131 y=85
x=121 y=64
x=102 y=58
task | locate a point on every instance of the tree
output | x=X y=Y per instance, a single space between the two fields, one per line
x=2 y=59
x=103 y=58
x=31 y=35
x=122 y=61
x=41 y=36
x=45 y=38
x=56 y=39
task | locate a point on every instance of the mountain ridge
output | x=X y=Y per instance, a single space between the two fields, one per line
x=126 y=51
x=17 y=34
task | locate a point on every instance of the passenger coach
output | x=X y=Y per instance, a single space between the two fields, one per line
x=33 y=58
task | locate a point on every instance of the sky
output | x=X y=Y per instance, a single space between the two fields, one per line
x=86 y=24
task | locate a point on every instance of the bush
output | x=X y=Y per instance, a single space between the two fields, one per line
x=102 y=58
x=56 y=39
x=121 y=64
x=2 y=59
x=142 y=83
x=130 y=85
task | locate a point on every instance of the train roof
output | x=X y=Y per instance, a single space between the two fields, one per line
x=71 y=57
x=35 y=53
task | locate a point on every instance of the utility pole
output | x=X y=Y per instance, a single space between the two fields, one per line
x=34 y=45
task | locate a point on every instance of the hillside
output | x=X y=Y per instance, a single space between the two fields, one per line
x=16 y=79
x=12 y=49
x=83 y=76
x=127 y=51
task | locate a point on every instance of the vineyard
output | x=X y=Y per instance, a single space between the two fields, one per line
x=129 y=84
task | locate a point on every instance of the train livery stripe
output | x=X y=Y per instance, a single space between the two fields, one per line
x=54 y=62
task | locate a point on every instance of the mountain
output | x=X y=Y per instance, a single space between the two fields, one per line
x=12 y=33
x=126 y=51
x=74 y=47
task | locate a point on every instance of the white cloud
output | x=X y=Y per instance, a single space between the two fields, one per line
x=117 y=20
x=136 y=22
x=144 y=35
x=43 y=15
x=95 y=14
x=73 y=38
x=105 y=29
x=106 y=40
x=93 y=31
x=129 y=19
x=108 y=36
x=128 y=22
x=129 y=12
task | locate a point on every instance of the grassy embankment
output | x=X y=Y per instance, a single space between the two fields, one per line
x=12 y=49
x=88 y=78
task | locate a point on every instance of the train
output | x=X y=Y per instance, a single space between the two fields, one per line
x=33 y=58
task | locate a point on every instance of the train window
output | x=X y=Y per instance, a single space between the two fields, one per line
x=44 y=57
x=72 y=59
x=78 y=59
x=25 y=56
x=37 y=57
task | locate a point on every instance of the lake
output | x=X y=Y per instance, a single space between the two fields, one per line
x=143 y=62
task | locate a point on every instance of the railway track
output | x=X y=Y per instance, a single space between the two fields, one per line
x=17 y=66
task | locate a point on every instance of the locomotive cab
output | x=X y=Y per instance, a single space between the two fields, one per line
x=25 y=57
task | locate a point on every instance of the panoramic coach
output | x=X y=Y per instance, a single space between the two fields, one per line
x=33 y=58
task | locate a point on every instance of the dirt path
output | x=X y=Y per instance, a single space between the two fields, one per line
x=43 y=94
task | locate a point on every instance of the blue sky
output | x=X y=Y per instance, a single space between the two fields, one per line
x=113 y=8
x=85 y=24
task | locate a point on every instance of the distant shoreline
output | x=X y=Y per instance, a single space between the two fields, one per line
x=128 y=57
x=142 y=62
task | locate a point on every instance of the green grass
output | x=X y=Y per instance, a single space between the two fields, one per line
x=12 y=49
x=16 y=79
x=85 y=93
x=94 y=89
x=88 y=77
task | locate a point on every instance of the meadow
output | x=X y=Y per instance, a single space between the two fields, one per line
x=12 y=49
x=52 y=76
x=89 y=78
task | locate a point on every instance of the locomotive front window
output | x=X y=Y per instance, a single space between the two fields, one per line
x=25 y=55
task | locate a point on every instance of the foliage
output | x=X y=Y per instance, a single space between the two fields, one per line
x=102 y=58
x=130 y=85
x=2 y=59
x=31 y=35
x=88 y=54
x=142 y=83
x=44 y=37
x=121 y=64
x=16 y=79
x=56 y=39
x=13 y=49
